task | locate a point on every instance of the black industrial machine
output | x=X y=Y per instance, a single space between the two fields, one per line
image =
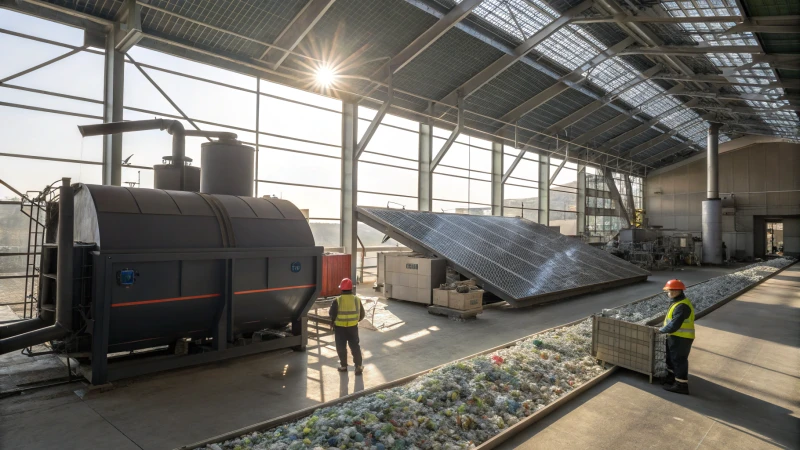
x=143 y=280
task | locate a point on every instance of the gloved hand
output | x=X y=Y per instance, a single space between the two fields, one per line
x=661 y=330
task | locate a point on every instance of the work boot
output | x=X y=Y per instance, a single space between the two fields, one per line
x=678 y=388
x=359 y=370
x=668 y=379
x=342 y=369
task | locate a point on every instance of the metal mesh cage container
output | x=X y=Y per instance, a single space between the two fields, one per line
x=624 y=344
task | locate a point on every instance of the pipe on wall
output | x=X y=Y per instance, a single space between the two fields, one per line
x=713 y=160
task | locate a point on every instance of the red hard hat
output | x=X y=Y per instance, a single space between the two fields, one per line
x=346 y=284
x=674 y=284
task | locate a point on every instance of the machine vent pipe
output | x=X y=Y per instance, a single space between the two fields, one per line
x=64 y=279
x=173 y=127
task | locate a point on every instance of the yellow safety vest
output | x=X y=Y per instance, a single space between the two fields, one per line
x=349 y=310
x=687 y=327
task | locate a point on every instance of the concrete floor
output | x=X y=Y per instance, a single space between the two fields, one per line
x=744 y=376
x=170 y=409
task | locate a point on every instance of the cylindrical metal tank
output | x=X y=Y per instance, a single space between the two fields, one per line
x=168 y=177
x=192 y=253
x=712 y=231
x=228 y=168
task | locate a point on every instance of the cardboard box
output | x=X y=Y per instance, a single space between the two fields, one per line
x=465 y=302
x=441 y=298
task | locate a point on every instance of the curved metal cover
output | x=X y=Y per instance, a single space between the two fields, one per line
x=515 y=259
x=122 y=218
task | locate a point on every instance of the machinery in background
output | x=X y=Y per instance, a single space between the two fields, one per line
x=652 y=249
x=144 y=280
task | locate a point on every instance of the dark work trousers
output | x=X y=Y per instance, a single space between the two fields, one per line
x=678 y=349
x=345 y=336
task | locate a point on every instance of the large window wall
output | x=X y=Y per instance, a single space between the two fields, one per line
x=297 y=135
x=40 y=110
x=462 y=182
x=601 y=221
x=521 y=189
x=564 y=197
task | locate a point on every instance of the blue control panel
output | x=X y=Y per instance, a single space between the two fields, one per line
x=126 y=277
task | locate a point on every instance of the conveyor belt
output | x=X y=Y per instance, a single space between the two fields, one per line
x=520 y=261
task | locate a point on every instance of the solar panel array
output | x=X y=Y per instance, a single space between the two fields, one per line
x=516 y=259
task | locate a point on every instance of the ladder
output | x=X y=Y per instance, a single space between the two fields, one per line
x=32 y=206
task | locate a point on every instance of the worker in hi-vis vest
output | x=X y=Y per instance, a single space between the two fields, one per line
x=345 y=313
x=679 y=325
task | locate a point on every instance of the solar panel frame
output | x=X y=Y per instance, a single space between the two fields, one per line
x=517 y=260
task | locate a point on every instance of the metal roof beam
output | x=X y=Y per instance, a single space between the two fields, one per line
x=376 y=121
x=600 y=129
x=766 y=24
x=432 y=34
x=651 y=143
x=293 y=34
x=563 y=84
x=624 y=18
x=773 y=29
x=748 y=110
x=651 y=123
x=740 y=96
x=507 y=60
x=597 y=104
x=692 y=50
x=777 y=61
x=630 y=134
x=719 y=79
x=669 y=152
x=453 y=136
x=128 y=26
x=514 y=165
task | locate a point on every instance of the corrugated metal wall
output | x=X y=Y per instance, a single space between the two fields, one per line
x=761 y=180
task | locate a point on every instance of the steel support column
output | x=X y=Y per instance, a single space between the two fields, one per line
x=544 y=189
x=114 y=85
x=349 y=238
x=425 y=174
x=581 y=199
x=712 y=206
x=453 y=136
x=629 y=196
x=619 y=208
x=497 y=179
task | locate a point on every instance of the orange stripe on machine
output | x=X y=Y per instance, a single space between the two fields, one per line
x=164 y=300
x=276 y=289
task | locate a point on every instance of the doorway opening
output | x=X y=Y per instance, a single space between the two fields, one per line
x=774 y=237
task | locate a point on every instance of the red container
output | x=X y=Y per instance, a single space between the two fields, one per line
x=335 y=267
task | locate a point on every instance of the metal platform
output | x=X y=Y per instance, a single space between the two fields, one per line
x=520 y=261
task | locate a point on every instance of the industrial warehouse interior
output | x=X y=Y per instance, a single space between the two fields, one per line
x=399 y=224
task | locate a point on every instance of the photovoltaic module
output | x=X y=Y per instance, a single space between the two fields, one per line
x=520 y=261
